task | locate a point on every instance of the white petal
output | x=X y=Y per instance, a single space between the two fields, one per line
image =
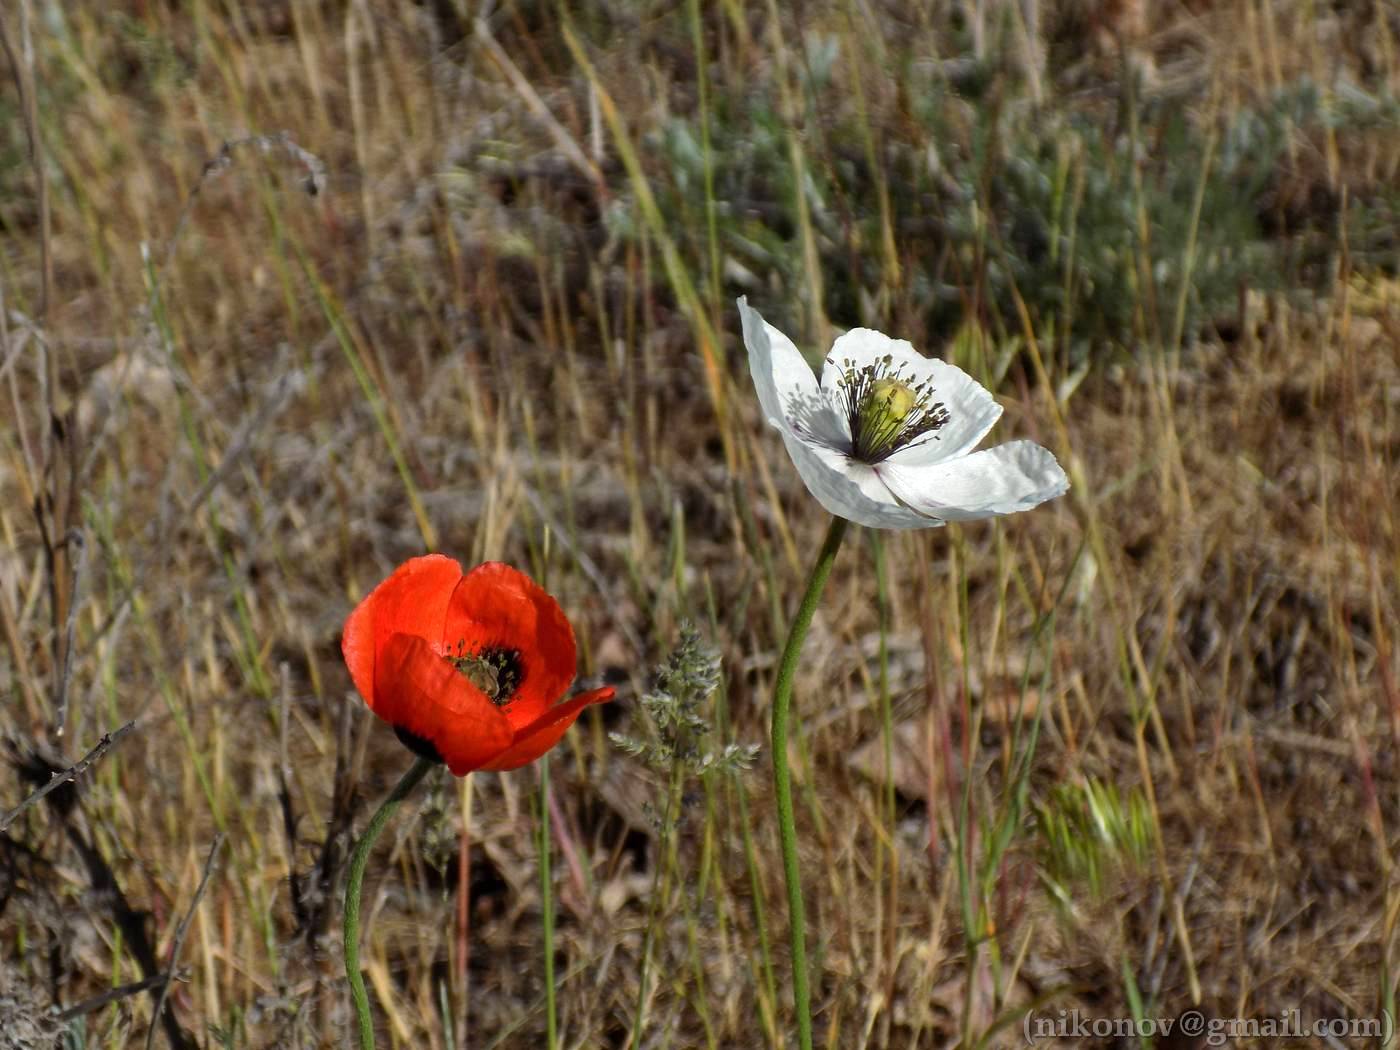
x=1001 y=480
x=781 y=375
x=971 y=409
x=860 y=348
x=850 y=490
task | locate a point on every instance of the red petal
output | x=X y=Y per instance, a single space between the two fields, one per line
x=419 y=691
x=496 y=605
x=413 y=600
x=535 y=739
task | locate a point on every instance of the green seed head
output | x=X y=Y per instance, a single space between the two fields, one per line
x=891 y=401
x=885 y=409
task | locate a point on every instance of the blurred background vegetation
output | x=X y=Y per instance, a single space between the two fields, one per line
x=291 y=291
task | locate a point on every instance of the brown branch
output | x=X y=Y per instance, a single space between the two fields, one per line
x=71 y=773
x=125 y=991
x=78 y=547
x=180 y=932
x=132 y=924
x=314 y=182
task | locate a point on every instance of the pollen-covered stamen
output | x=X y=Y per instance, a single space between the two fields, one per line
x=886 y=410
x=496 y=670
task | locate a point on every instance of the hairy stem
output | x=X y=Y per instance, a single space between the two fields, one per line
x=547 y=911
x=364 y=1019
x=782 y=778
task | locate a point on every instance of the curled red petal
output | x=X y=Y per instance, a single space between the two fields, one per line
x=412 y=600
x=539 y=736
x=418 y=691
x=496 y=605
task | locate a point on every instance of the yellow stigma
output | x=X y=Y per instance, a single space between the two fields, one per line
x=890 y=403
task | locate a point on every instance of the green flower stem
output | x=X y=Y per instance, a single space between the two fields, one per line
x=547 y=910
x=782 y=778
x=376 y=824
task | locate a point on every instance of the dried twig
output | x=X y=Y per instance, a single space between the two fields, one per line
x=125 y=991
x=132 y=924
x=314 y=183
x=586 y=565
x=290 y=382
x=566 y=143
x=71 y=773
x=180 y=932
x=77 y=547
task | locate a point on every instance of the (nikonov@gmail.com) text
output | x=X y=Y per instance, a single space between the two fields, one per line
x=1218 y=1031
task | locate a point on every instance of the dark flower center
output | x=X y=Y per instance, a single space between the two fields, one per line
x=494 y=669
x=419 y=745
x=886 y=410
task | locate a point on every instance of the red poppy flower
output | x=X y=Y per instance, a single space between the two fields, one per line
x=466 y=668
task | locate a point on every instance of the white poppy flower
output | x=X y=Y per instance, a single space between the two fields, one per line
x=886 y=438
